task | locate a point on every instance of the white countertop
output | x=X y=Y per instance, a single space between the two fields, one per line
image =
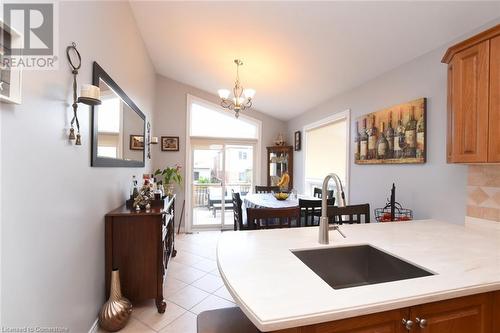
x=277 y=291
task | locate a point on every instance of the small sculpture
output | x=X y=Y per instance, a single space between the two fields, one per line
x=143 y=199
x=279 y=140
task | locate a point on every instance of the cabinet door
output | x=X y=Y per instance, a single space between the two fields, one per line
x=494 y=116
x=471 y=314
x=496 y=313
x=449 y=113
x=384 y=322
x=469 y=104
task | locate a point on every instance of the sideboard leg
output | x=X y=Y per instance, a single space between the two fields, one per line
x=161 y=305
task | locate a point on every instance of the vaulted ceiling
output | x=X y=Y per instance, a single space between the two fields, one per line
x=297 y=54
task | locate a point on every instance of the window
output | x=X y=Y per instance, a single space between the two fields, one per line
x=326 y=151
x=107 y=151
x=207 y=121
x=109 y=115
x=242 y=155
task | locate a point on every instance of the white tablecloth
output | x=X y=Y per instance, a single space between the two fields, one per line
x=267 y=200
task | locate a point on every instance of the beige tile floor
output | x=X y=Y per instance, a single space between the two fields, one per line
x=193 y=285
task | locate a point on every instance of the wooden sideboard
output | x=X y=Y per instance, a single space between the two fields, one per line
x=140 y=244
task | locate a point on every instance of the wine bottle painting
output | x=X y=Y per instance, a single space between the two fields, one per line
x=396 y=135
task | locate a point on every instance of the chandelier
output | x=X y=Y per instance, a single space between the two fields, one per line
x=241 y=99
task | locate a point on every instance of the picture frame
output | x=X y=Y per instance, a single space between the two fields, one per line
x=136 y=142
x=170 y=143
x=393 y=135
x=297 y=140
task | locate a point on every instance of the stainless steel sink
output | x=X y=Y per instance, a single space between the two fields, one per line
x=352 y=266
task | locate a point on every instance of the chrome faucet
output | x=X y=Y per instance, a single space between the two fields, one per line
x=340 y=199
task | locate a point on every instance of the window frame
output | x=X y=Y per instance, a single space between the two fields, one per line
x=257 y=143
x=217 y=108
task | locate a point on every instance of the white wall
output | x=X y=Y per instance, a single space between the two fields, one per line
x=432 y=190
x=1 y=224
x=53 y=201
x=170 y=120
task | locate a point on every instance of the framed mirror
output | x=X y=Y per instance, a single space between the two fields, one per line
x=118 y=126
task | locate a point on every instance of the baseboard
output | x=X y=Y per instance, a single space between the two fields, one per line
x=94 y=327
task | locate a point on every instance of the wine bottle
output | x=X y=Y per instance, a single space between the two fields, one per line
x=399 y=143
x=357 y=142
x=420 y=136
x=363 y=142
x=411 y=135
x=372 y=140
x=389 y=135
x=382 y=144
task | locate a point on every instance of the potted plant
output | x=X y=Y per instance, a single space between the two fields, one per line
x=170 y=176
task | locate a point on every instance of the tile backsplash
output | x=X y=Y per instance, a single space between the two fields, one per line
x=483 y=192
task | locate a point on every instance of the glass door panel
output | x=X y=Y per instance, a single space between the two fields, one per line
x=278 y=164
x=239 y=174
x=219 y=168
x=207 y=186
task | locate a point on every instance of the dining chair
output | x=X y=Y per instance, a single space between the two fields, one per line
x=318 y=193
x=266 y=189
x=349 y=214
x=311 y=210
x=270 y=218
x=239 y=219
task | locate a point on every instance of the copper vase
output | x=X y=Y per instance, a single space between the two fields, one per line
x=116 y=311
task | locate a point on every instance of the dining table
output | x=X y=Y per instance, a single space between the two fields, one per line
x=267 y=200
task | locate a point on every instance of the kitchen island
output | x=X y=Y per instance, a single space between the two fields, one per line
x=277 y=291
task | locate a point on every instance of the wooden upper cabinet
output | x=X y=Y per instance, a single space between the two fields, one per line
x=469 y=100
x=473 y=101
x=471 y=314
x=494 y=116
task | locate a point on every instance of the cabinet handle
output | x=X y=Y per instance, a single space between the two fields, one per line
x=408 y=324
x=421 y=322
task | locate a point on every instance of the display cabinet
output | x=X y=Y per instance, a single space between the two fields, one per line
x=279 y=161
x=10 y=77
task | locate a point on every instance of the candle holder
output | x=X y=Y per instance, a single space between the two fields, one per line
x=150 y=140
x=75 y=64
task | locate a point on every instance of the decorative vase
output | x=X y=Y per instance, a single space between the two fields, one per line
x=169 y=190
x=115 y=313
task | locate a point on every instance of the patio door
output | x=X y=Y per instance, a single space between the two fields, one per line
x=219 y=167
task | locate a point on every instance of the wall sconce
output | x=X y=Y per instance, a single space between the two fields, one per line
x=89 y=94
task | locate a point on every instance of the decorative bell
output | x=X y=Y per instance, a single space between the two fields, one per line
x=72 y=133
x=78 y=141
